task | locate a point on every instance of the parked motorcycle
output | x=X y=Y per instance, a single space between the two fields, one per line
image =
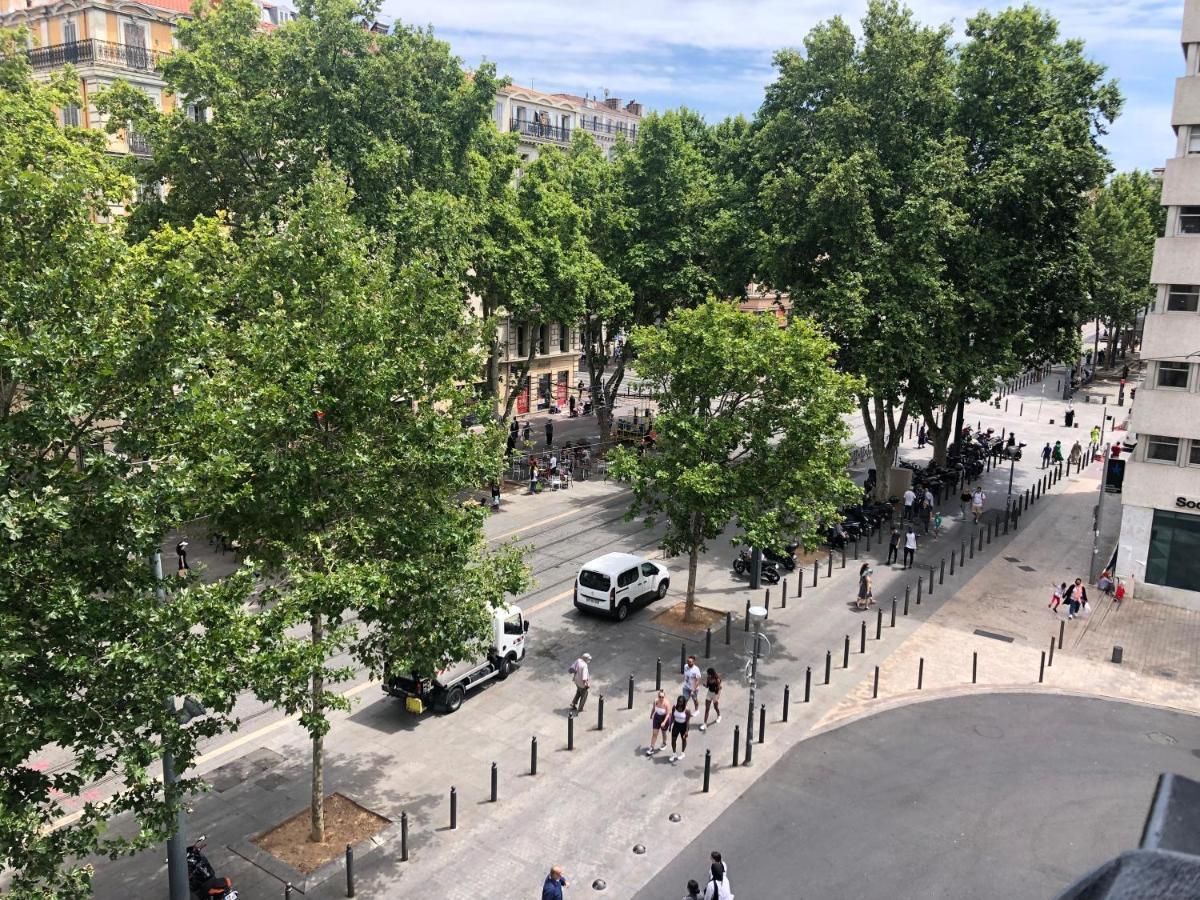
x=202 y=880
x=768 y=569
x=786 y=558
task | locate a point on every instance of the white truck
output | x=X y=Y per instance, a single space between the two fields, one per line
x=447 y=689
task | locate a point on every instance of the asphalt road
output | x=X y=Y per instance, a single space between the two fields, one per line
x=993 y=796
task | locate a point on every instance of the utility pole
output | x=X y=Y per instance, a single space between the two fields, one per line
x=1094 y=571
x=177 y=880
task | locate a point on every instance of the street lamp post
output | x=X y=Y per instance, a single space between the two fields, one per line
x=177 y=881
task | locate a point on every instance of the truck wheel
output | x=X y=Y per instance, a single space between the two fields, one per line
x=623 y=611
x=454 y=699
x=662 y=589
x=504 y=668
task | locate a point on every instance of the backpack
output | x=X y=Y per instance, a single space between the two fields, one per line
x=573 y=668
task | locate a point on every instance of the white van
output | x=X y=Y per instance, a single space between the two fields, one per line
x=615 y=582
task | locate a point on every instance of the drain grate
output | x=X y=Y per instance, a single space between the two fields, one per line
x=1027 y=568
x=1166 y=673
x=993 y=635
x=1011 y=559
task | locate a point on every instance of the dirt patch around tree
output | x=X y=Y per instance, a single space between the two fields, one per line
x=702 y=618
x=345 y=823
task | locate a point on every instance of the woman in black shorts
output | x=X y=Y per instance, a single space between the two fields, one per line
x=680 y=716
x=712 y=681
x=660 y=721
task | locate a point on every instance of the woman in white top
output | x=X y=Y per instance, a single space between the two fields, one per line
x=680 y=716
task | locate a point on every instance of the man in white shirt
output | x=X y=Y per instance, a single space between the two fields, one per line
x=909 y=499
x=977 y=499
x=691 y=682
x=910 y=547
x=582 y=677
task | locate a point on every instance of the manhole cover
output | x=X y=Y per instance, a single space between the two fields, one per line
x=1166 y=673
x=1027 y=568
x=1160 y=737
x=993 y=635
x=1011 y=559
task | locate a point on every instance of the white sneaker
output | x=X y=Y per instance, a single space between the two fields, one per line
x=718 y=720
x=650 y=751
x=680 y=756
x=703 y=727
x=674 y=757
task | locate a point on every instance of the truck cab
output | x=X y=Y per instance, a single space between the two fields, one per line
x=447 y=689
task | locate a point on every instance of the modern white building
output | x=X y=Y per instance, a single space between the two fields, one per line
x=550 y=119
x=1160 y=524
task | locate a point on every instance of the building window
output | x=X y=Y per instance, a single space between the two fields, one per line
x=1162 y=449
x=70 y=115
x=543 y=338
x=1194 y=139
x=1189 y=220
x=1173 y=557
x=564 y=338
x=522 y=347
x=70 y=34
x=498 y=113
x=1194 y=453
x=1172 y=375
x=197 y=112
x=1183 y=297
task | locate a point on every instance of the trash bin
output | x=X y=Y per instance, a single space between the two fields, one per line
x=1069 y=418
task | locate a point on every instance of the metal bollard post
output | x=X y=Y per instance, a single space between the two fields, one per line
x=570 y=731
x=893 y=622
x=920 y=583
x=972 y=556
x=762 y=722
x=783 y=595
x=1050 y=658
x=952 y=557
x=941 y=574
x=1042 y=668
x=875 y=688
x=799 y=584
x=907 y=593
x=1062 y=627
x=989 y=532
x=843 y=554
x=829 y=571
x=962 y=553
x=749 y=747
x=930 y=591
x=878 y=623
x=749 y=720
x=350 y=858
x=728 y=625
x=630 y=697
x=533 y=755
x=846 y=654
x=920 y=673
x=767 y=601
x=1006 y=518
x=862 y=637
x=682 y=656
x=600 y=712
x=746 y=622
x=787 y=696
x=708 y=642
x=707 y=768
x=815 y=571
x=828 y=664
x=287 y=891
x=974 y=665
x=453 y=808
x=737 y=740
x=404 y=836
x=658 y=674
x=856 y=550
x=495 y=783
x=807 y=683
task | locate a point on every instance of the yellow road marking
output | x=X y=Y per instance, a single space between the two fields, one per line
x=549 y=600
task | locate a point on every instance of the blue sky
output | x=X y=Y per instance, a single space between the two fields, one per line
x=715 y=56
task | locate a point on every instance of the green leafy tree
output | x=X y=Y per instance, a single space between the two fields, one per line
x=337 y=459
x=95 y=336
x=859 y=168
x=750 y=430
x=1120 y=227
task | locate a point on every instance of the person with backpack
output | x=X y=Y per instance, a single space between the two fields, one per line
x=582 y=678
x=718 y=881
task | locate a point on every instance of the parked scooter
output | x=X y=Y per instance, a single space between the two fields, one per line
x=202 y=880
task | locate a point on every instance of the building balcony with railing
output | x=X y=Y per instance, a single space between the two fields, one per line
x=608 y=128
x=92 y=52
x=541 y=132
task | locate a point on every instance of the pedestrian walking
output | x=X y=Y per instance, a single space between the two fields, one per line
x=893 y=545
x=718 y=879
x=660 y=722
x=1056 y=598
x=582 y=676
x=937 y=524
x=691 y=683
x=1046 y=451
x=964 y=500
x=693 y=890
x=181 y=557
x=1057 y=456
x=925 y=515
x=977 y=500
x=495 y=495
x=527 y=434
x=910 y=547
x=712 y=699
x=909 y=498
x=549 y=433
x=533 y=475
x=1076 y=598
x=1095 y=436
x=865 y=595
x=552 y=889
x=513 y=427
x=921 y=434
x=928 y=498
x=680 y=716
x=1076 y=455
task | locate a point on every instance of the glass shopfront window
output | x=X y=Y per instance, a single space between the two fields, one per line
x=1174 y=553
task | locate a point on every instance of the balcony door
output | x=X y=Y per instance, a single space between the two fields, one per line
x=136 y=56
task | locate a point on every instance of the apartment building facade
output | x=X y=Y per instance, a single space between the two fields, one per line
x=1160 y=524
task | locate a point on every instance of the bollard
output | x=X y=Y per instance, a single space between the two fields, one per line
x=941 y=574
x=707 y=643
x=843 y=554
x=1062 y=627
x=783 y=595
x=907 y=592
x=829 y=571
x=707 y=769
x=989 y=532
x=807 y=683
x=799 y=584
x=1006 y=516
x=962 y=553
x=658 y=674
x=828 y=664
x=600 y=712
x=972 y=555
x=846 y=654
x=533 y=755
x=767 y=601
x=875 y=689
x=879 y=623
x=350 y=852
x=856 y=551
x=728 y=625
x=952 y=556
x=746 y=623
x=1118 y=654
x=630 y=697
x=287 y=891
x=737 y=740
x=762 y=722
x=404 y=835
x=893 y=622
x=974 y=665
x=570 y=731
x=682 y=656
x=815 y=571
x=930 y=590
x=453 y=808
x=1050 y=658
x=920 y=673
x=787 y=696
x=862 y=637
x=980 y=540
x=750 y=720
x=1042 y=668
x=495 y=783
x=920 y=582
x=1022 y=410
